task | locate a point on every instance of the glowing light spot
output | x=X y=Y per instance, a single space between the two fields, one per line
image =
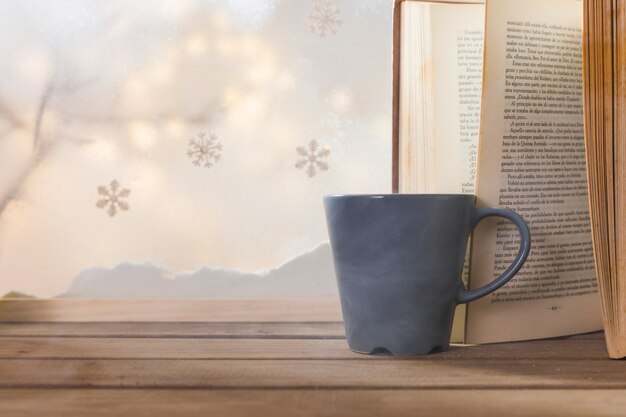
x=33 y=63
x=248 y=113
x=262 y=72
x=285 y=80
x=175 y=126
x=232 y=95
x=340 y=101
x=225 y=46
x=142 y=135
x=251 y=46
x=196 y=44
x=135 y=86
x=161 y=73
x=252 y=107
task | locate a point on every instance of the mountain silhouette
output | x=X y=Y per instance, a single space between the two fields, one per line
x=309 y=275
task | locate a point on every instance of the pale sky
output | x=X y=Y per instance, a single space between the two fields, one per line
x=122 y=87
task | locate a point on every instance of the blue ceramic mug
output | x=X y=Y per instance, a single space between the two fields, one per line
x=399 y=261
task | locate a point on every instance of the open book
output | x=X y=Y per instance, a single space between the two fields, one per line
x=606 y=153
x=488 y=100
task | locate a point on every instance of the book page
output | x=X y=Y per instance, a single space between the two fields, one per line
x=441 y=76
x=531 y=160
x=457 y=74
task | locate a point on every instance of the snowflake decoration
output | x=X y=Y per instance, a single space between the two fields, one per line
x=312 y=158
x=324 y=18
x=112 y=197
x=204 y=151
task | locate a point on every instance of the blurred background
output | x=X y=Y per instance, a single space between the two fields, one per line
x=172 y=149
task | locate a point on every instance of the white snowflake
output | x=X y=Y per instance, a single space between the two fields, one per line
x=112 y=197
x=324 y=18
x=311 y=158
x=204 y=150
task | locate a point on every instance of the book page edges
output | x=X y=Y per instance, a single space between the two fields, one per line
x=395 y=86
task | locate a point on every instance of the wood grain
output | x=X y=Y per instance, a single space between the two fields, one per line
x=323 y=403
x=241 y=361
x=272 y=330
x=117 y=348
x=315 y=373
x=170 y=310
x=207 y=348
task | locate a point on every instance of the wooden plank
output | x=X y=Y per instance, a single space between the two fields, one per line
x=116 y=348
x=318 y=310
x=288 y=373
x=324 y=403
x=273 y=330
x=575 y=349
x=193 y=329
x=204 y=348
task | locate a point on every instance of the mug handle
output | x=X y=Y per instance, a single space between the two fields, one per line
x=466 y=296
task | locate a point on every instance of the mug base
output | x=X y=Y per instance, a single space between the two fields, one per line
x=385 y=352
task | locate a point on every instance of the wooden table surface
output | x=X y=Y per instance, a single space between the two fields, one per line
x=276 y=358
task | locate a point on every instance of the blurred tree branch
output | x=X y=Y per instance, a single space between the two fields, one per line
x=38 y=150
x=14 y=121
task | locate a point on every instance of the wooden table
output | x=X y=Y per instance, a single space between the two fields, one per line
x=275 y=358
